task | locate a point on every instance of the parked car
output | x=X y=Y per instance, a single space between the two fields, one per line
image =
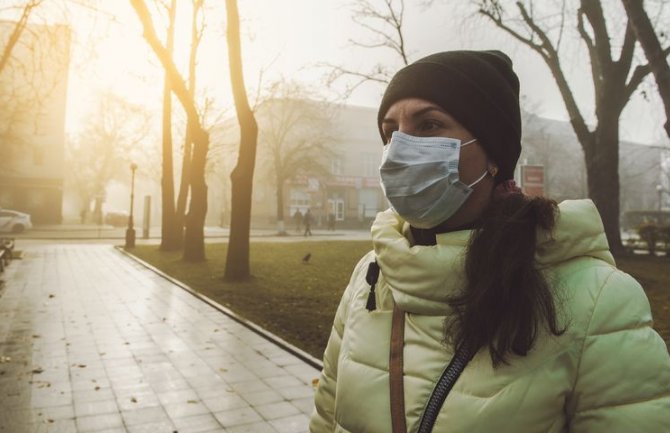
x=116 y=218
x=12 y=221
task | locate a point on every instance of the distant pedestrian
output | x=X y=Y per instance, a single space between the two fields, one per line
x=307 y=221
x=297 y=218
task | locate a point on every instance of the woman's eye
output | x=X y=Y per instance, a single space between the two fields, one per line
x=430 y=125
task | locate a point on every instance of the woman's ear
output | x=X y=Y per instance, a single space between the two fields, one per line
x=493 y=169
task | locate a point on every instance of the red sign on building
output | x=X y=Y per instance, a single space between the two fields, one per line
x=532 y=180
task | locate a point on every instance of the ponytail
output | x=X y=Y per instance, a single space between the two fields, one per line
x=506 y=299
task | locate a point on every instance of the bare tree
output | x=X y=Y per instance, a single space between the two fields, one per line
x=33 y=60
x=614 y=81
x=194 y=235
x=237 y=260
x=292 y=135
x=16 y=32
x=383 y=19
x=187 y=154
x=113 y=134
x=171 y=231
x=656 y=55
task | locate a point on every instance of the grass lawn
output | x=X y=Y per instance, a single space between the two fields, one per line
x=298 y=301
x=654 y=275
x=293 y=300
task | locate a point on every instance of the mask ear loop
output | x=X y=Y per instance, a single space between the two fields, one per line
x=478 y=180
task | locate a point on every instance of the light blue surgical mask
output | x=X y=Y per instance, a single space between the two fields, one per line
x=419 y=177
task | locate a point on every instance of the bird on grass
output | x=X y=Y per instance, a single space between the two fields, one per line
x=305 y=259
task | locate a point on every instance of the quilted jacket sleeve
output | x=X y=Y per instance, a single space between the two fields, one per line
x=323 y=418
x=623 y=378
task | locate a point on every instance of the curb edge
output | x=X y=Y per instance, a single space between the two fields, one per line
x=293 y=350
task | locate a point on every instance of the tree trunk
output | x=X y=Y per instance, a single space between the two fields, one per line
x=188 y=159
x=170 y=233
x=185 y=182
x=602 y=169
x=194 y=233
x=281 y=229
x=195 y=248
x=653 y=51
x=237 y=260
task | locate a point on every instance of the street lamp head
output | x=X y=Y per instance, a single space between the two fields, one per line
x=133 y=167
x=659 y=188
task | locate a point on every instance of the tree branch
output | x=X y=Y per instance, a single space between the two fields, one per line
x=176 y=80
x=639 y=73
x=19 y=27
x=596 y=69
x=551 y=58
x=594 y=13
x=498 y=22
x=627 y=49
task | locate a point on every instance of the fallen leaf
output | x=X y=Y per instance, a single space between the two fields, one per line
x=315 y=382
x=38 y=370
x=51 y=295
x=192 y=401
x=133 y=400
x=97 y=388
x=81 y=365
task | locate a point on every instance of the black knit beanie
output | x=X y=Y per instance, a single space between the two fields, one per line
x=478 y=88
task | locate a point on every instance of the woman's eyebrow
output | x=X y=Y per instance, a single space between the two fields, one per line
x=419 y=113
x=426 y=110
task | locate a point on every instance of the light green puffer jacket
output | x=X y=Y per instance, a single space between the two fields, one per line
x=610 y=372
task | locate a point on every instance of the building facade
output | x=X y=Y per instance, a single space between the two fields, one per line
x=33 y=88
x=346 y=188
x=349 y=190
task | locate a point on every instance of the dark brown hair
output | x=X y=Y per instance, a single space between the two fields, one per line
x=506 y=299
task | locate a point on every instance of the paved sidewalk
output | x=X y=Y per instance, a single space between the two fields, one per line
x=91 y=341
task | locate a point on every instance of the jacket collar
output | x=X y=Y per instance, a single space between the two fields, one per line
x=422 y=278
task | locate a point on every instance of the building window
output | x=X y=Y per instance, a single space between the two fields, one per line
x=336 y=207
x=299 y=200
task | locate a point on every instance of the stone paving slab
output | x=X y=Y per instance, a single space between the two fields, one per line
x=91 y=341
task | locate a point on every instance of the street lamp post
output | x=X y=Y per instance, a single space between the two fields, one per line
x=130 y=231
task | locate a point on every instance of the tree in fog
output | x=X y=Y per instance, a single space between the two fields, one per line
x=653 y=50
x=12 y=40
x=194 y=234
x=292 y=137
x=171 y=231
x=615 y=76
x=33 y=58
x=114 y=133
x=384 y=22
x=237 y=259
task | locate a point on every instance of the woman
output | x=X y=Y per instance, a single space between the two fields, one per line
x=519 y=297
